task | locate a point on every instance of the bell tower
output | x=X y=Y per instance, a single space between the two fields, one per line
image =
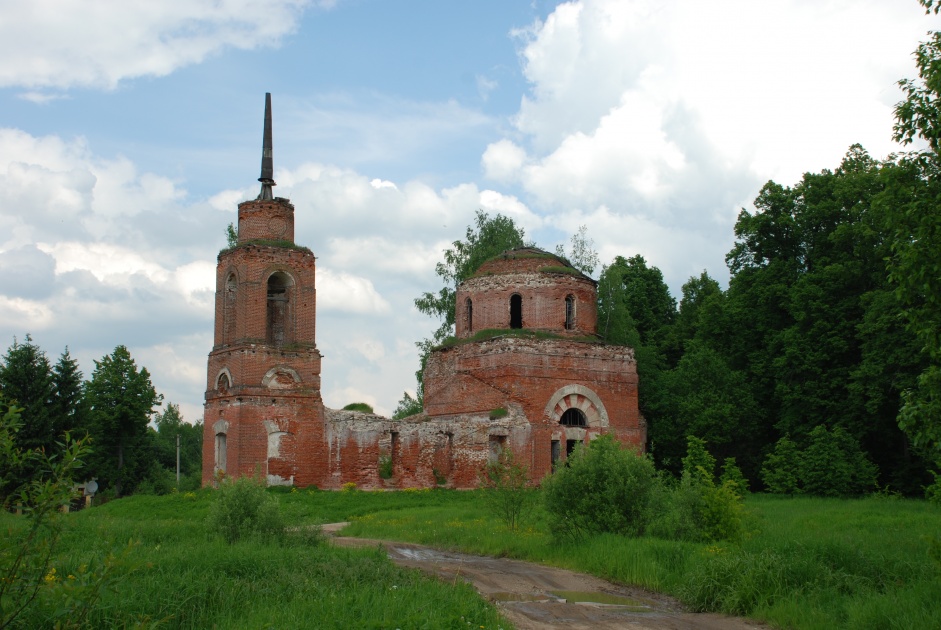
x=263 y=398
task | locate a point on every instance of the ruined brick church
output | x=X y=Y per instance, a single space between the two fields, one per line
x=539 y=389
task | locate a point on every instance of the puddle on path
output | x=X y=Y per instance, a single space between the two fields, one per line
x=504 y=596
x=605 y=599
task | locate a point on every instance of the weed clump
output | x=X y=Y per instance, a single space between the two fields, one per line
x=505 y=481
x=359 y=406
x=243 y=509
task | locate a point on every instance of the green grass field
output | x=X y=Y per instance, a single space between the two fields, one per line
x=175 y=575
x=810 y=563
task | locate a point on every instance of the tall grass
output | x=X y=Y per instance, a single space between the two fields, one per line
x=809 y=563
x=168 y=571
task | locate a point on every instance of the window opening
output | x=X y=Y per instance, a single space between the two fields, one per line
x=470 y=314
x=220 y=452
x=223 y=384
x=516 y=311
x=497 y=444
x=573 y=418
x=556 y=453
x=394 y=449
x=228 y=317
x=570 y=312
x=570 y=447
x=278 y=303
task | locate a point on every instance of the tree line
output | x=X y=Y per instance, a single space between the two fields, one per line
x=823 y=353
x=114 y=409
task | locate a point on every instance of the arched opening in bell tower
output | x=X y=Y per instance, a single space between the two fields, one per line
x=280 y=330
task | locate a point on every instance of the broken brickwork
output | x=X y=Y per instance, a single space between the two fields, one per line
x=526 y=371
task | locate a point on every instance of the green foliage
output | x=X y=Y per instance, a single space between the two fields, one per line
x=507 y=494
x=499 y=412
x=231 y=236
x=359 y=406
x=782 y=468
x=487 y=238
x=831 y=465
x=702 y=509
x=26 y=380
x=569 y=271
x=834 y=465
x=699 y=464
x=602 y=488
x=484 y=240
x=407 y=406
x=703 y=396
x=26 y=551
x=242 y=509
x=526 y=333
x=933 y=491
x=170 y=424
x=582 y=254
x=120 y=401
x=385 y=466
x=732 y=475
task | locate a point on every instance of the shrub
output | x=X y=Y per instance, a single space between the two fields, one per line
x=699 y=509
x=834 y=465
x=385 y=466
x=698 y=461
x=26 y=551
x=506 y=488
x=499 y=412
x=933 y=492
x=602 y=488
x=781 y=469
x=242 y=509
x=359 y=406
x=732 y=474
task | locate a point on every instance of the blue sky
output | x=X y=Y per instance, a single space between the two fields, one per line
x=129 y=132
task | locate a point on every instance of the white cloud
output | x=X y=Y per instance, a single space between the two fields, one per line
x=97 y=43
x=339 y=291
x=40 y=98
x=503 y=160
x=667 y=117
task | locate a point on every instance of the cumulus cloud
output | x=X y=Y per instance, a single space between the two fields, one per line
x=664 y=119
x=339 y=291
x=62 y=44
x=503 y=160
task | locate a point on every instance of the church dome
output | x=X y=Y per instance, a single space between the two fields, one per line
x=527 y=288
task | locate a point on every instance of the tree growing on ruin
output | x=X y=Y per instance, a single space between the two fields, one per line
x=486 y=238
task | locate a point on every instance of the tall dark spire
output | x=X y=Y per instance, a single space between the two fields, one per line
x=267 y=164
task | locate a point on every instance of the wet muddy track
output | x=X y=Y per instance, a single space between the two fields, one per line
x=536 y=596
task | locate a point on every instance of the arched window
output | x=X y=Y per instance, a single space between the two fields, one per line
x=220 y=452
x=223 y=383
x=279 y=328
x=516 y=311
x=229 y=309
x=573 y=418
x=569 y=312
x=469 y=308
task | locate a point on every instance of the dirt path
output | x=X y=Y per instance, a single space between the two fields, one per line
x=533 y=596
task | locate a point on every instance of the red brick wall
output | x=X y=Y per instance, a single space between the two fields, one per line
x=270 y=408
x=268 y=220
x=543 y=302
